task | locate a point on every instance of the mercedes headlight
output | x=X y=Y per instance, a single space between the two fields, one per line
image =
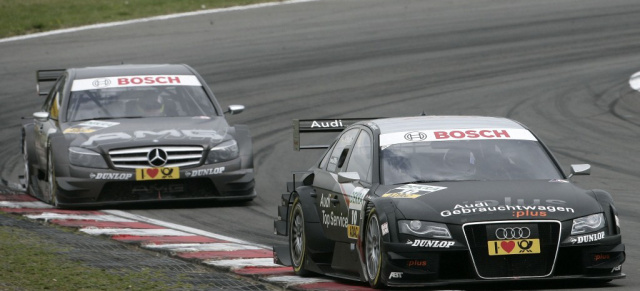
x=225 y=151
x=587 y=224
x=86 y=158
x=424 y=229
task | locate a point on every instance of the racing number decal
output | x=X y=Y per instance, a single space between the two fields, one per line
x=157 y=174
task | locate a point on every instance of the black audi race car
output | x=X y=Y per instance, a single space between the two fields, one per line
x=133 y=133
x=435 y=200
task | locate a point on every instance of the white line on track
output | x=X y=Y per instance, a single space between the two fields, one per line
x=180 y=227
x=136 y=232
x=50 y=215
x=35 y=204
x=155 y=18
x=295 y=280
x=203 y=247
x=241 y=263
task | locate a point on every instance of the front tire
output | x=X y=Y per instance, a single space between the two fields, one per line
x=27 y=168
x=51 y=181
x=298 y=239
x=373 y=251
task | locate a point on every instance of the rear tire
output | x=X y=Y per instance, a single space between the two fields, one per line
x=373 y=251
x=298 y=239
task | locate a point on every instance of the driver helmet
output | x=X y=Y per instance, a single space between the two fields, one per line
x=460 y=161
x=151 y=105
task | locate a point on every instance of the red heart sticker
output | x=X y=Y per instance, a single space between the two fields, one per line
x=152 y=172
x=508 y=246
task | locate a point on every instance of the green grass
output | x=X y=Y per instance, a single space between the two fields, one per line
x=31 y=262
x=18 y=17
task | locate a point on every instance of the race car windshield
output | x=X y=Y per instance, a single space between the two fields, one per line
x=484 y=160
x=139 y=102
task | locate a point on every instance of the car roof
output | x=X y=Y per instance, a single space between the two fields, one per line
x=130 y=70
x=402 y=124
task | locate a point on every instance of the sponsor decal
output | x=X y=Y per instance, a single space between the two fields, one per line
x=558 y=181
x=99 y=123
x=90 y=126
x=134 y=81
x=204 y=172
x=513 y=247
x=587 y=238
x=79 y=130
x=429 y=243
x=528 y=213
x=412 y=191
x=415 y=136
x=111 y=176
x=192 y=134
x=325 y=201
x=472 y=134
x=401 y=195
x=384 y=228
x=455 y=134
x=331 y=219
x=356 y=198
x=395 y=275
x=417 y=263
x=327 y=124
x=617 y=269
x=600 y=257
x=353 y=231
x=156 y=188
x=521 y=209
x=157 y=174
x=513 y=232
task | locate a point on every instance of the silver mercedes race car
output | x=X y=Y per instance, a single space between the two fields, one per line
x=133 y=133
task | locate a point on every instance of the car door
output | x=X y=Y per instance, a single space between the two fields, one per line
x=360 y=161
x=330 y=202
x=45 y=127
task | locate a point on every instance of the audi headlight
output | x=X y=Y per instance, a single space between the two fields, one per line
x=86 y=158
x=225 y=151
x=424 y=229
x=587 y=224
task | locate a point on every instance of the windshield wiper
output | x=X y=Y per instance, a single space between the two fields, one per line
x=96 y=118
x=436 y=181
x=423 y=181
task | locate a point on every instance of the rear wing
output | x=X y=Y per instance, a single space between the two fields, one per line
x=319 y=125
x=47 y=76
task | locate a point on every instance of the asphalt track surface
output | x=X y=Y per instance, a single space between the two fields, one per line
x=560 y=67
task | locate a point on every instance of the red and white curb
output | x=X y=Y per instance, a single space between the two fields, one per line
x=221 y=252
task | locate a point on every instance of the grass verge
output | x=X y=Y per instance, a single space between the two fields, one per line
x=30 y=16
x=29 y=261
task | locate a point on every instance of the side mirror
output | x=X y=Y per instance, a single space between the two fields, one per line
x=580 y=169
x=348 y=177
x=235 y=109
x=41 y=116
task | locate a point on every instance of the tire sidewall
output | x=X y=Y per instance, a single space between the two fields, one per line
x=379 y=280
x=27 y=167
x=51 y=176
x=297 y=209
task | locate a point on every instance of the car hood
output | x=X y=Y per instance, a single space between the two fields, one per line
x=117 y=133
x=473 y=201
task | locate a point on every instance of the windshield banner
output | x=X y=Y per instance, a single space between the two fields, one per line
x=134 y=81
x=455 y=134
